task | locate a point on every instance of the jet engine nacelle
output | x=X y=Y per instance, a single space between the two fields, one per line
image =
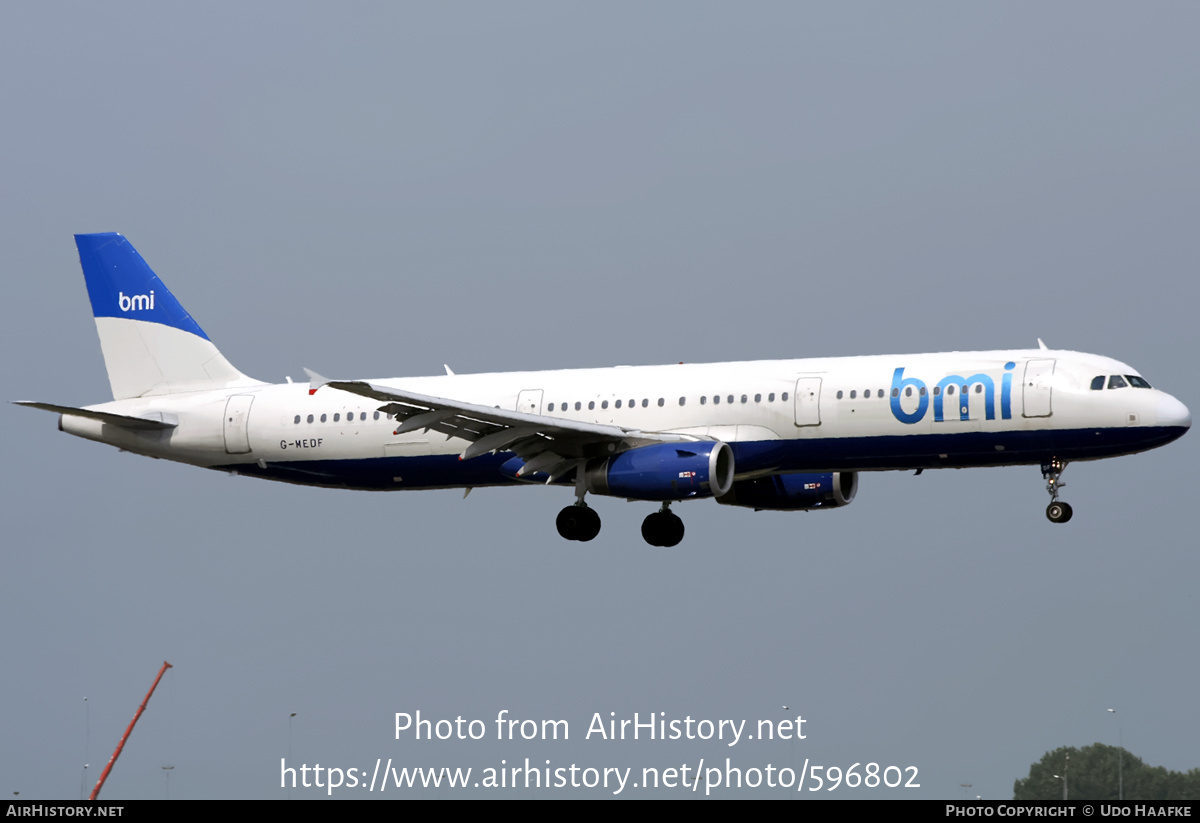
x=794 y=492
x=664 y=471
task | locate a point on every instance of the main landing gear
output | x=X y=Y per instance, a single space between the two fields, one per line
x=663 y=528
x=1057 y=511
x=578 y=522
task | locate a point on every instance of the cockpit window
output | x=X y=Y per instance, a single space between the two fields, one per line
x=1117 y=382
x=1137 y=382
x=1098 y=382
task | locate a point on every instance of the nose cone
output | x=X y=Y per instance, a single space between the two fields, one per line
x=1173 y=414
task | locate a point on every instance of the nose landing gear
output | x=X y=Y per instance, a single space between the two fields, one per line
x=663 y=528
x=1057 y=511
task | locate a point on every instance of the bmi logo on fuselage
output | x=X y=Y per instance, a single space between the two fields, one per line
x=955 y=387
x=136 y=302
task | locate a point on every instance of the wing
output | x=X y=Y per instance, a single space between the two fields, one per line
x=551 y=445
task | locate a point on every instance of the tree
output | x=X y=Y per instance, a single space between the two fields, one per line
x=1092 y=775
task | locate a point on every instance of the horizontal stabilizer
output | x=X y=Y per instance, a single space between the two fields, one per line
x=124 y=420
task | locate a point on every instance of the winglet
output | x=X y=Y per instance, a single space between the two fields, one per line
x=315 y=381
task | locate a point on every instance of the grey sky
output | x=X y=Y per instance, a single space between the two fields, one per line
x=378 y=189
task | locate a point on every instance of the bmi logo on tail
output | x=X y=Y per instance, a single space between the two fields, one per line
x=137 y=302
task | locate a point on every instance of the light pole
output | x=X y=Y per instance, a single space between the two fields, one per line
x=291 y=717
x=791 y=755
x=1063 y=776
x=1120 y=760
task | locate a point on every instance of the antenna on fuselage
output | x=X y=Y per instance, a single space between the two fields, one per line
x=1042 y=345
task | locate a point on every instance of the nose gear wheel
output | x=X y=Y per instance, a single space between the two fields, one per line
x=1057 y=511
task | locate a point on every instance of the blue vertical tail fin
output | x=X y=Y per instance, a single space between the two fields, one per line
x=151 y=345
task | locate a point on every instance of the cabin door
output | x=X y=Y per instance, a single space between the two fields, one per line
x=1036 y=390
x=237 y=414
x=808 y=401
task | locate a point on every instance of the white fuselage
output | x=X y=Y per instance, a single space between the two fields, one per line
x=830 y=414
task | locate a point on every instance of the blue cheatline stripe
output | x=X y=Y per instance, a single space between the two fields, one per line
x=963 y=450
x=121 y=284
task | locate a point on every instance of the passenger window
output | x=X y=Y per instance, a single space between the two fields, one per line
x=1098 y=382
x=551 y=407
x=618 y=404
x=337 y=417
x=839 y=396
x=310 y=418
x=716 y=399
x=323 y=418
x=591 y=405
x=783 y=397
x=661 y=401
x=703 y=399
x=853 y=394
x=604 y=404
x=771 y=397
x=729 y=399
x=744 y=398
x=376 y=417
x=758 y=398
x=682 y=400
x=937 y=390
x=645 y=402
x=297 y=421
x=578 y=406
x=1115 y=382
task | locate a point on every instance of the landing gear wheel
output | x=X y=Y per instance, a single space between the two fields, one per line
x=1059 y=512
x=651 y=528
x=662 y=528
x=674 y=531
x=590 y=527
x=578 y=523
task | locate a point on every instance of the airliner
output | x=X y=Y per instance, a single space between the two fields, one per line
x=789 y=435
